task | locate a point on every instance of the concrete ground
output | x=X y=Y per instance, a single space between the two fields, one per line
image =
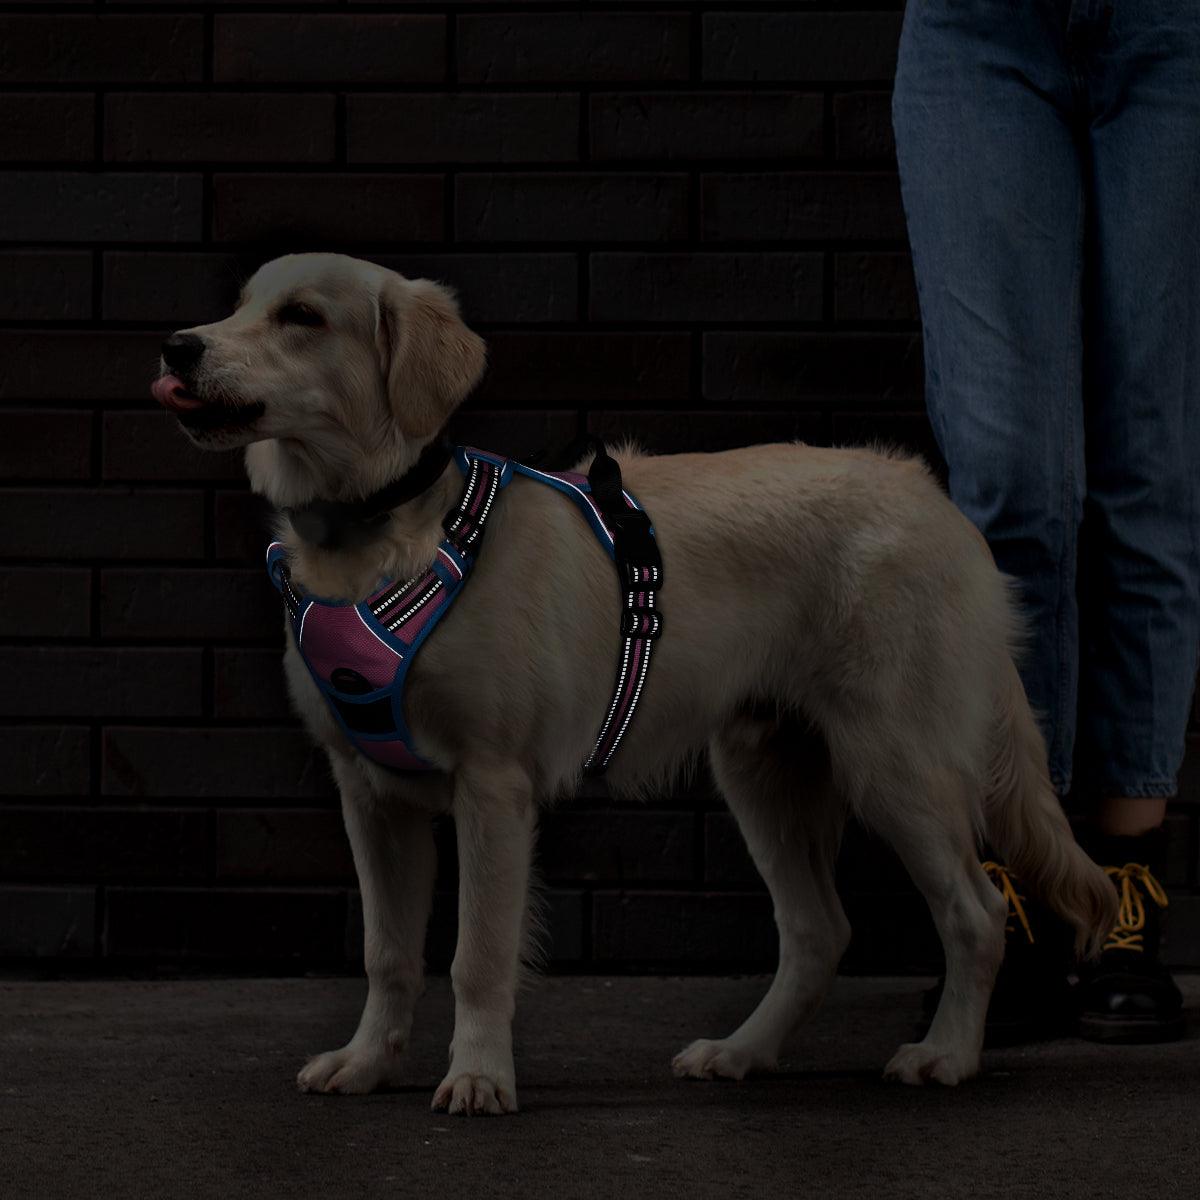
x=179 y=1089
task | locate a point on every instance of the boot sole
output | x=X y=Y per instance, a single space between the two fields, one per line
x=1131 y=1030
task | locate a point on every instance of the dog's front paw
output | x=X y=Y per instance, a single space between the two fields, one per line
x=351 y=1071
x=723 y=1059
x=464 y=1094
x=916 y=1063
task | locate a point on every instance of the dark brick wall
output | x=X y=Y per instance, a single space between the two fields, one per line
x=676 y=220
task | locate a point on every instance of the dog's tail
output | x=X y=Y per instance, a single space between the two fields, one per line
x=1026 y=824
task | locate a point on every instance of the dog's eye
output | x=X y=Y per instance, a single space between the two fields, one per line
x=299 y=314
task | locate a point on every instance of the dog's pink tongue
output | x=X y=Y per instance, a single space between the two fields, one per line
x=170 y=392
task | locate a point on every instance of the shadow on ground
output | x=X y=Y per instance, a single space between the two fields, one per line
x=116 y=1088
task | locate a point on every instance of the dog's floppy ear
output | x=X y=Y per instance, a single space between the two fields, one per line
x=430 y=359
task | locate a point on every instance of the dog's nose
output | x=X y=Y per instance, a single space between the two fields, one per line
x=182 y=350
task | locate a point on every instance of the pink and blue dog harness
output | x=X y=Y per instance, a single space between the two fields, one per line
x=359 y=654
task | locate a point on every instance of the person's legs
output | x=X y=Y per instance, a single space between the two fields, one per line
x=993 y=193
x=1140 y=586
x=1140 y=568
x=986 y=132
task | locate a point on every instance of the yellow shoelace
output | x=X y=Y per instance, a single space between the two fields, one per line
x=1000 y=876
x=1131 y=912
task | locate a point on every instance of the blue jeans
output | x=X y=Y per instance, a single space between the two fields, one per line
x=1050 y=167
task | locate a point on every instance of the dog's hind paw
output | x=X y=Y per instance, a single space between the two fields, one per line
x=473 y=1096
x=724 y=1059
x=916 y=1063
x=351 y=1071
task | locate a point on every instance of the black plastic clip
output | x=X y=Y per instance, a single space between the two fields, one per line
x=635 y=549
x=638 y=621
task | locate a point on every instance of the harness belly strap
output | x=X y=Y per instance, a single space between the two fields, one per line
x=359 y=654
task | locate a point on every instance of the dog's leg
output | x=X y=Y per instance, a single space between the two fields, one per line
x=778 y=785
x=494 y=818
x=396 y=861
x=936 y=843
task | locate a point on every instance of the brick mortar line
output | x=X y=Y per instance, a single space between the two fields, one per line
x=251 y=248
x=549 y=331
x=615 y=168
x=394 y=87
x=103 y=8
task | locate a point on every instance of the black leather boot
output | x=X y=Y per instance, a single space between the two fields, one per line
x=1127 y=995
x=1032 y=998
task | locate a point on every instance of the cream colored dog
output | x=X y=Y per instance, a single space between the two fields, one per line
x=837 y=638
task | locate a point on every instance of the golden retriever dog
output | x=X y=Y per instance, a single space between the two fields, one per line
x=837 y=638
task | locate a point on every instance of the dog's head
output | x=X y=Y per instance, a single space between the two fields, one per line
x=326 y=351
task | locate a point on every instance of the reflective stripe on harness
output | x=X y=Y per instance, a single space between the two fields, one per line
x=639 y=577
x=359 y=654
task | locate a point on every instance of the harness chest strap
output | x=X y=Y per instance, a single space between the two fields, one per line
x=359 y=654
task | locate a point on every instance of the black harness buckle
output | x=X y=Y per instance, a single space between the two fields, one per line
x=640 y=621
x=635 y=549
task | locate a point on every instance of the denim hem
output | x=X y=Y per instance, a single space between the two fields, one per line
x=1062 y=787
x=1149 y=789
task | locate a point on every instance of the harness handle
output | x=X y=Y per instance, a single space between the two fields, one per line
x=604 y=478
x=636 y=551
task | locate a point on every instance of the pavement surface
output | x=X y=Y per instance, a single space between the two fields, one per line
x=180 y=1089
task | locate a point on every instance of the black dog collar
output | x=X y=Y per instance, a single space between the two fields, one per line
x=342 y=524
